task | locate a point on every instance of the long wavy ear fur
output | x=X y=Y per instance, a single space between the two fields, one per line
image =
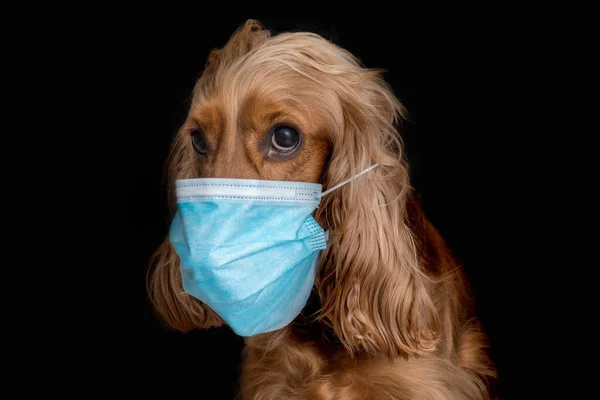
x=374 y=294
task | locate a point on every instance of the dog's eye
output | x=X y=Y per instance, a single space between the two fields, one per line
x=285 y=139
x=198 y=141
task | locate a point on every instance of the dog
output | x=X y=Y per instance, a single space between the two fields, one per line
x=390 y=315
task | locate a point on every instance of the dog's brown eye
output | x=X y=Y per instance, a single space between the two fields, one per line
x=198 y=141
x=285 y=139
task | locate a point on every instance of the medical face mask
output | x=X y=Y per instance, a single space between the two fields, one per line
x=249 y=248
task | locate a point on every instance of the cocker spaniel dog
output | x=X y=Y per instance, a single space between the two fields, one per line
x=345 y=293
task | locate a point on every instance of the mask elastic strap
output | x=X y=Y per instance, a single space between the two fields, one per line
x=348 y=180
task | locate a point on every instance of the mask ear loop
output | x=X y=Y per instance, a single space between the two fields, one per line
x=339 y=185
x=347 y=180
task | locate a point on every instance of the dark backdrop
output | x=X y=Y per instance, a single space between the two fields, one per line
x=452 y=82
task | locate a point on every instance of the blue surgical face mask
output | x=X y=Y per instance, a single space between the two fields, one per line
x=249 y=248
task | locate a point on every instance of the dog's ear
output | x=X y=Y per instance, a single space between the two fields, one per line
x=175 y=307
x=374 y=293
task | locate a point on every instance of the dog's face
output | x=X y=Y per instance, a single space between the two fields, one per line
x=297 y=107
x=259 y=124
x=265 y=110
x=275 y=108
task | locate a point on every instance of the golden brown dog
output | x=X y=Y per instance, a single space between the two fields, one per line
x=391 y=316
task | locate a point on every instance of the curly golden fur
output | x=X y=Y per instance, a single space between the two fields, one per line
x=390 y=316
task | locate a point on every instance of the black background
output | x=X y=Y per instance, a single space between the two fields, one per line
x=454 y=84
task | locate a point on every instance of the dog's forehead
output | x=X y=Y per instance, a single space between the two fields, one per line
x=274 y=66
x=264 y=97
x=285 y=78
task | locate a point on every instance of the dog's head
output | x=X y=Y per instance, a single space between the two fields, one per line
x=297 y=107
